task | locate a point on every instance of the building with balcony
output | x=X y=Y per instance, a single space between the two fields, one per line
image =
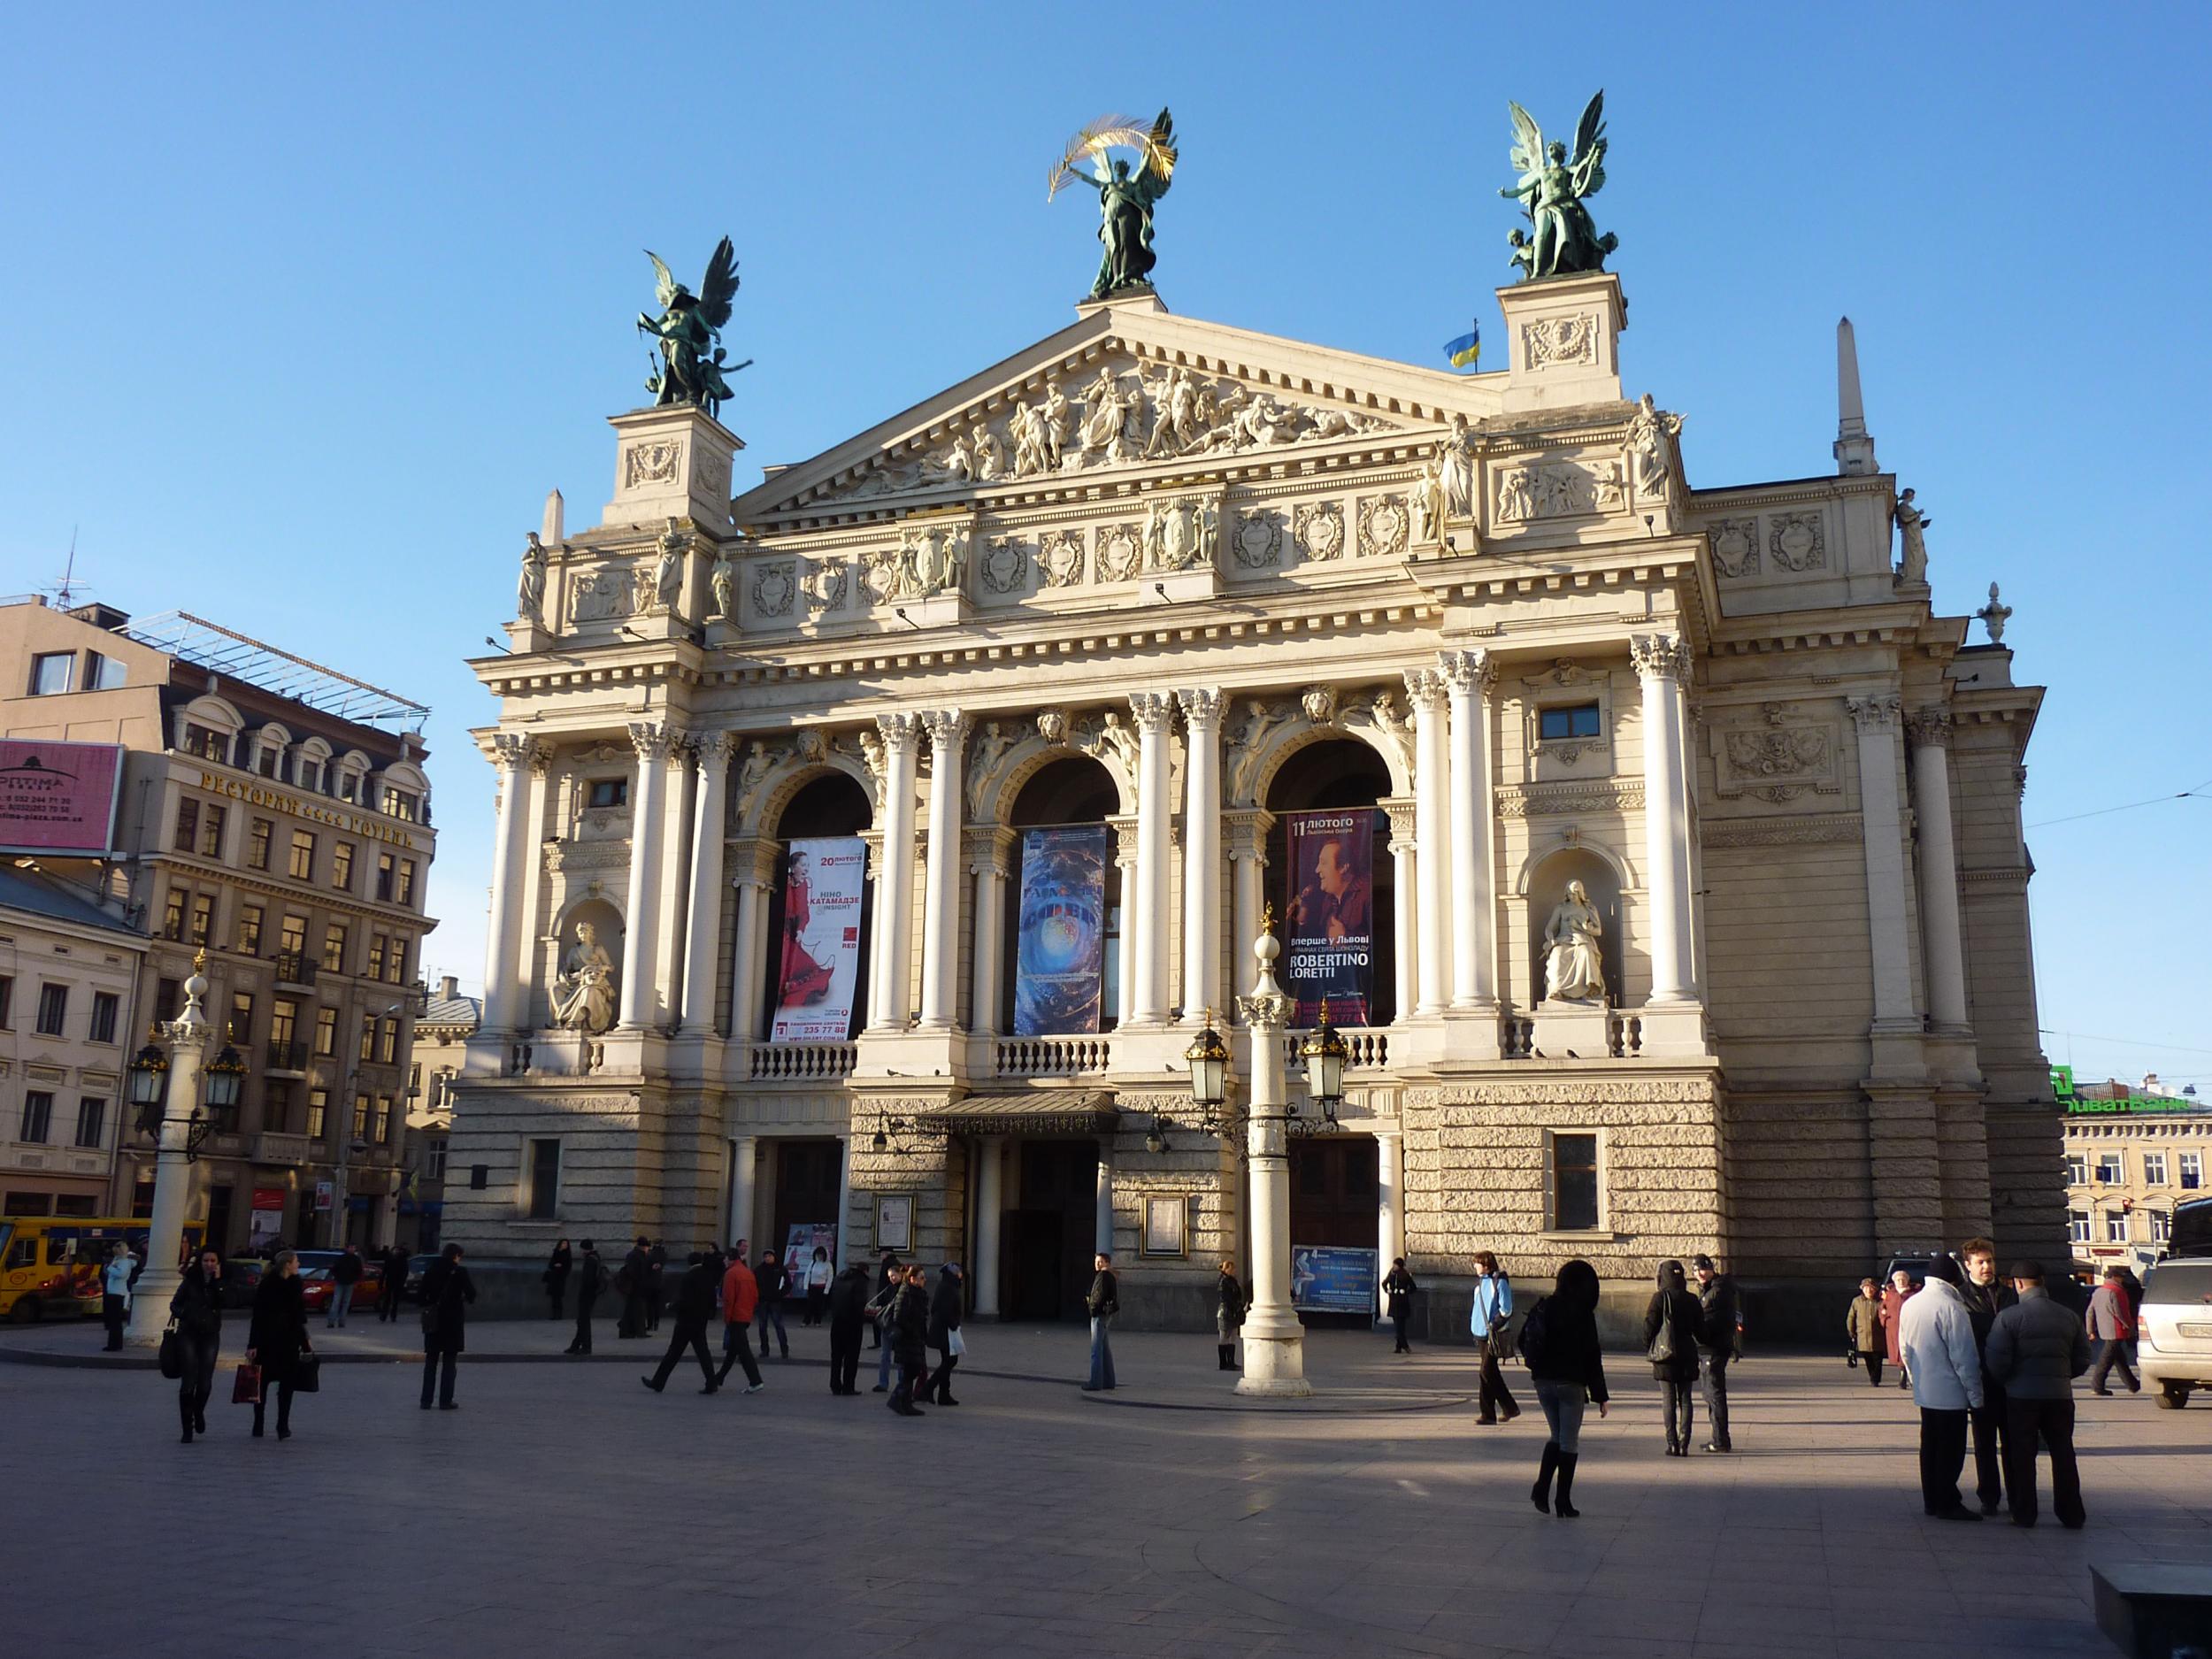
x=448 y=1020
x=275 y=813
x=1674 y=890
x=2133 y=1151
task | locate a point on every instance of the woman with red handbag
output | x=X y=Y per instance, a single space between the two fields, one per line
x=278 y=1341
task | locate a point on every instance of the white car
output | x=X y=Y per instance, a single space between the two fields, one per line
x=2173 y=1330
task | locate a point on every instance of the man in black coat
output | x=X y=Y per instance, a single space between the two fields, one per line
x=847 y=1312
x=591 y=1278
x=695 y=1306
x=944 y=1321
x=345 y=1273
x=1719 y=1314
x=393 y=1285
x=447 y=1290
x=655 y=1285
x=1987 y=1296
x=909 y=1329
x=630 y=1280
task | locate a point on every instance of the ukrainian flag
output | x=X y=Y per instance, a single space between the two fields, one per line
x=1466 y=350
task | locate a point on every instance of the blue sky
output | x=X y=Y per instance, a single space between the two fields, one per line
x=306 y=310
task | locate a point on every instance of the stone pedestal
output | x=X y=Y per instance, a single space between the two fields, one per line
x=1563 y=341
x=671 y=463
x=1170 y=588
x=939 y=610
x=1579 y=1029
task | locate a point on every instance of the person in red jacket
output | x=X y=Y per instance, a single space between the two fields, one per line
x=741 y=1295
x=1895 y=1294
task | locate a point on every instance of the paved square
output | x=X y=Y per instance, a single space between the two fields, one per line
x=564 y=1510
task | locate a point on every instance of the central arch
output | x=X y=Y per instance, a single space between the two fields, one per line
x=1327 y=774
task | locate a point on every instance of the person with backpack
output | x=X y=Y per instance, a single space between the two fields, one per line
x=591 y=1278
x=1673 y=1324
x=1488 y=1319
x=1398 y=1285
x=1559 y=1342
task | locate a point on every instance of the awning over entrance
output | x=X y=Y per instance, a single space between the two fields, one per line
x=1031 y=1113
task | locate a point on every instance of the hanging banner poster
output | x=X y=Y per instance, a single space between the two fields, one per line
x=818 y=959
x=1060 y=954
x=59 y=797
x=1328 y=1279
x=1329 y=916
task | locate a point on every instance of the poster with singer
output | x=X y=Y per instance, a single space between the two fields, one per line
x=1329 y=914
x=819 y=956
x=1060 y=949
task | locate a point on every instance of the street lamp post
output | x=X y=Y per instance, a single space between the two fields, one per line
x=1274 y=1342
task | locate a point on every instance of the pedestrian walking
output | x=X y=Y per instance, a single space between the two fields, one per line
x=447 y=1291
x=655 y=1286
x=630 y=1280
x=1488 y=1318
x=884 y=1272
x=1720 y=1314
x=1674 y=1323
x=2036 y=1348
x=555 y=1279
x=115 y=1293
x=848 y=1313
x=740 y=1295
x=2111 y=1327
x=882 y=1306
x=277 y=1339
x=694 y=1306
x=1229 y=1315
x=909 y=1330
x=197 y=1309
x=819 y=1274
x=1936 y=1337
x=1863 y=1330
x=1900 y=1290
x=1986 y=1297
x=345 y=1273
x=944 y=1333
x=775 y=1282
x=391 y=1284
x=1559 y=1340
x=1398 y=1288
x=1103 y=1303
x=591 y=1280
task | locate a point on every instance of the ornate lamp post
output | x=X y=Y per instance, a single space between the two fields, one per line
x=1324 y=1053
x=1274 y=1342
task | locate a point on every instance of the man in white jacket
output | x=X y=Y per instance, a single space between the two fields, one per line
x=1936 y=1336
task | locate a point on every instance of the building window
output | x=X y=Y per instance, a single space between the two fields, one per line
x=399 y=803
x=2115 y=1226
x=268 y=758
x=2111 y=1168
x=92 y=1118
x=395 y=964
x=240 y=1029
x=80 y=1205
x=406 y=893
x=292 y=936
x=2192 y=1162
x=284 y=1020
x=51 y=673
x=53 y=1010
x=2077 y=1225
x=204 y=742
x=377 y=945
x=384 y=1120
x=388 y=1050
x=168 y=998
x=2078 y=1169
x=38 y=1116
x=187 y=835
x=202 y=918
x=310 y=774
x=7 y=998
x=211 y=832
x=2154 y=1169
x=341 y=867
x=250 y=918
x=105 y=1007
x=318 y=1113
x=386 y=868
x=302 y=867
x=543 y=1198
x=360 y=1117
x=173 y=914
x=2162 y=1226
x=348 y=783
x=276 y=1108
x=326 y=1031
x=334 y=949
x=607 y=792
x=257 y=834
x=103 y=674
x=434 y=1160
x=1574 y=1183
x=1577 y=721
x=368 y=1040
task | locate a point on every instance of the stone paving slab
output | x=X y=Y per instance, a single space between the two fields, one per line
x=564 y=1510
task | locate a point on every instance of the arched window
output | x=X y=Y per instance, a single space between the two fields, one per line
x=1072 y=792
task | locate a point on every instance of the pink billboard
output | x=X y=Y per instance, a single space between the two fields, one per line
x=58 y=797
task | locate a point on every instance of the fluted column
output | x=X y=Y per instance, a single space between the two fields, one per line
x=1662 y=663
x=1390 y=1186
x=1881 y=816
x=990 y=1200
x=708 y=802
x=940 y=893
x=744 y=1157
x=510 y=753
x=1403 y=909
x=670 y=922
x=1125 y=964
x=894 y=877
x=990 y=861
x=1930 y=730
x=529 y=902
x=753 y=870
x=1154 y=714
x=1432 y=832
x=1247 y=858
x=1470 y=674
x=641 y=909
x=1201 y=851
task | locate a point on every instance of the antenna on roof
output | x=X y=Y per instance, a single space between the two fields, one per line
x=66 y=589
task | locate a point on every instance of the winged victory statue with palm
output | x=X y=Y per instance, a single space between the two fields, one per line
x=1124 y=197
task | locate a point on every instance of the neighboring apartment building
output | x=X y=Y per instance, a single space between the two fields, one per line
x=2133 y=1151
x=274 y=812
x=69 y=984
x=448 y=1020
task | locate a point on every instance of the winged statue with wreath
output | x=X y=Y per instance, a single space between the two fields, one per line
x=1552 y=187
x=1125 y=198
x=689 y=332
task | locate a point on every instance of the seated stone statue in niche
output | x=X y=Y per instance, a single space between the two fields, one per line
x=583 y=997
x=1573 y=962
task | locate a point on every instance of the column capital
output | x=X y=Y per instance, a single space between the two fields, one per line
x=1202 y=708
x=948 y=729
x=1244 y=831
x=650 y=738
x=1154 y=711
x=1470 y=672
x=1424 y=689
x=1660 y=656
x=509 y=751
x=989 y=849
x=1928 y=728
x=900 y=732
x=1402 y=812
x=715 y=750
x=1874 y=714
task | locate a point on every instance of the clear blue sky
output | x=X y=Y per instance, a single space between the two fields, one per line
x=306 y=312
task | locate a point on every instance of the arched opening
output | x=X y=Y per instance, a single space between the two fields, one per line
x=833 y=807
x=1072 y=793
x=1601 y=886
x=606 y=924
x=1346 y=887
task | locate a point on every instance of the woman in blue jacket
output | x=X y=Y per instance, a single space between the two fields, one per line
x=1487 y=1323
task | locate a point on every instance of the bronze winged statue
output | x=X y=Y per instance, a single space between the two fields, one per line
x=1561 y=240
x=689 y=332
x=1124 y=200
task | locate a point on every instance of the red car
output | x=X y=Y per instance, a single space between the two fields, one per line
x=317 y=1286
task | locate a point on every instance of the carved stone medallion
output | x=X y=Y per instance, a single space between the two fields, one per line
x=1319 y=527
x=775 y=585
x=1383 y=524
x=1259 y=539
x=652 y=462
x=1796 y=543
x=1120 y=547
x=1551 y=342
x=1060 y=558
x=1736 y=547
x=1005 y=567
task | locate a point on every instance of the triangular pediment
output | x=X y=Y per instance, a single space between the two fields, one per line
x=1123 y=389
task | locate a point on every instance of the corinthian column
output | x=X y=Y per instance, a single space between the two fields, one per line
x=1663 y=663
x=1471 y=675
x=704 y=903
x=510 y=753
x=1424 y=689
x=755 y=869
x=894 y=878
x=1930 y=730
x=1201 y=851
x=1882 y=822
x=1154 y=714
x=990 y=850
x=940 y=893
x=647 y=826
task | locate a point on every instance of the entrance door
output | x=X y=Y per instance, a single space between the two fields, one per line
x=807 y=1174
x=1046 y=1269
x=1333 y=1201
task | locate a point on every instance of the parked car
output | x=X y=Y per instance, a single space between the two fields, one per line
x=315 y=1270
x=242 y=1276
x=417 y=1265
x=2173 y=1329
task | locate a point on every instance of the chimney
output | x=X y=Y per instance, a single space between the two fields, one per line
x=448 y=987
x=1854 y=447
